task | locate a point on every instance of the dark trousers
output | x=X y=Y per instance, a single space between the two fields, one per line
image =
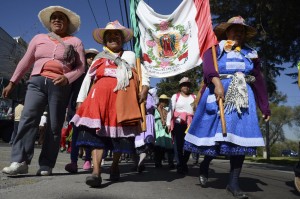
x=159 y=153
x=41 y=92
x=75 y=148
x=181 y=155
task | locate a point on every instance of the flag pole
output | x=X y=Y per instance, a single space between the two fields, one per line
x=142 y=105
x=220 y=102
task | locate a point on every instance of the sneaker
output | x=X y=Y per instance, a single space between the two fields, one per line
x=16 y=168
x=62 y=149
x=203 y=180
x=44 y=171
x=71 y=167
x=87 y=165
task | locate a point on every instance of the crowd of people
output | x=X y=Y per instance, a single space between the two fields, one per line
x=100 y=91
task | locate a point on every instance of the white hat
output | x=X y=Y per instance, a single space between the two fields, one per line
x=74 y=19
x=91 y=51
x=163 y=96
x=184 y=80
x=220 y=30
x=45 y=113
x=98 y=33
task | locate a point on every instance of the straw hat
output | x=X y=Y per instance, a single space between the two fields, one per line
x=74 y=19
x=220 y=30
x=185 y=80
x=115 y=25
x=91 y=51
x=163 y=96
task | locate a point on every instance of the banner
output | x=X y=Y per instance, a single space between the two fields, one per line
x=172 y=44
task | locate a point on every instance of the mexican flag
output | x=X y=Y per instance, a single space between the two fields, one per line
x=172 y=44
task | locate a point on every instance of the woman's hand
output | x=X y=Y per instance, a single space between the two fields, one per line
x=219 y=89
x=78 y=104
x=7 y=90
x=169 y=129
x=143 y=94
x=266 y=117
x=61 y=81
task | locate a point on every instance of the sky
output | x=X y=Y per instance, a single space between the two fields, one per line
x=19 y=18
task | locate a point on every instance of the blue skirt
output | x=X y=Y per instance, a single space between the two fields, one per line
x=205 y=132
x=88 y=138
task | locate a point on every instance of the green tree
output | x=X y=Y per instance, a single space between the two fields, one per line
x=296 y=121
x=281 y=116
x=170 y=86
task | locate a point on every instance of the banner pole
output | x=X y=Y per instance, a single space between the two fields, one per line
x=142 y=105
x=220 y=102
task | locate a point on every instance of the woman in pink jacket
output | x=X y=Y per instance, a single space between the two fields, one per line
x=58 y=60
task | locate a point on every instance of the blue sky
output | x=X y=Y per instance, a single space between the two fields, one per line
x=19 y=18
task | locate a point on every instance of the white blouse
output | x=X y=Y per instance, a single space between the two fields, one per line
x=129 y=56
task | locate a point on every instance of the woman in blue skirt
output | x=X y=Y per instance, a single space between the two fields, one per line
x=240 y=83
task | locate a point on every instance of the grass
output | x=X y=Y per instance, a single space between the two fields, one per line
x=284 y=161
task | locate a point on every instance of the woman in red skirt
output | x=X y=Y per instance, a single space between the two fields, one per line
x=109 y=116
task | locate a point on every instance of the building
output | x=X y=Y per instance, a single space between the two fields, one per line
x=11 y=52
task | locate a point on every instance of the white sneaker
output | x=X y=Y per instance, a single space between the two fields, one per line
x=44 y=171
x=16 y=168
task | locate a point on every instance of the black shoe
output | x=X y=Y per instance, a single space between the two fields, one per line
x=171 y=166
x=114 y=176
x=185 y=169
x=134 y=169
x=237 y=193
x=158 y=165
x=93 y=181
x=203 y=180
x=141 y=168
x=181 y=170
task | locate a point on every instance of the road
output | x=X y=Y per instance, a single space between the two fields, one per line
x=258 y=180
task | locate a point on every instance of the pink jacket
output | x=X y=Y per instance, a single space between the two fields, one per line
x=42 y=49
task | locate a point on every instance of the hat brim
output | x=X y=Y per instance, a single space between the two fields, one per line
x=220 y=30
x=190 y=83
x=91 y=52
x=74 y=19
x=164 y=98
x=99 y=33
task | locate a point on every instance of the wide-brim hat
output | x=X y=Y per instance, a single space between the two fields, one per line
x=91 y=51
x=220 y=30
x=164 y=96
x=74 y=19
x=98 y=33
x=185 y=80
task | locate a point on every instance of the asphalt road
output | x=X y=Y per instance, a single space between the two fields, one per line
x=258 y=180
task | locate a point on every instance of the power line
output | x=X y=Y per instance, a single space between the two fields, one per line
x=93 y=14
x=127 y=21
x=121 y=11
x=107 y=10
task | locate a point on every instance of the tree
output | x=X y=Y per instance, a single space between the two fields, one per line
x=281 y=116
x=277 y=22
x=296 y=119
x=170 y=86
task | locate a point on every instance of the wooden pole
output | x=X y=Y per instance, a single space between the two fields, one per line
x=220 y=102
x=142 y=105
